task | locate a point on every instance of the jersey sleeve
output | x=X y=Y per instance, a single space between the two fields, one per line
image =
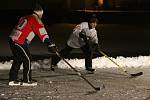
x=78 y=28
x=91 y=34
x=94 y=37
x=39 y=29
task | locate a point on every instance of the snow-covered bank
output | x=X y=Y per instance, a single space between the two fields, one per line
x=100 y=62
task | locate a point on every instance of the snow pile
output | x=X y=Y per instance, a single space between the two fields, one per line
x=103 y=62
x=100 y=62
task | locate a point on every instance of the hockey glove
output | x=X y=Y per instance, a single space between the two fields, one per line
x=83 y=36
x=51 y=45
x=52 y=48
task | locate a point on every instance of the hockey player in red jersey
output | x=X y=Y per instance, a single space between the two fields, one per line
x=19 y=40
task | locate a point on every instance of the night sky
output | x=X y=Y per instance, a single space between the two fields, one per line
x=76 y=4
x=123 y=27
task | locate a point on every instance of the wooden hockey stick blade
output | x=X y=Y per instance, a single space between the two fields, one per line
x=136 y=74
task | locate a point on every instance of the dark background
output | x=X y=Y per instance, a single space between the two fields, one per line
x=123 y=28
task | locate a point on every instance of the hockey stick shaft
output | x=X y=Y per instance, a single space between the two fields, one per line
x=79 y=74
x=115 y=63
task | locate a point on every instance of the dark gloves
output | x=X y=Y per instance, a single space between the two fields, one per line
x=51 y=45
x=52 y=48
x=83 y=36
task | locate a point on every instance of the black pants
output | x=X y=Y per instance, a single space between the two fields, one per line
x=21 y=55
x=87 y=50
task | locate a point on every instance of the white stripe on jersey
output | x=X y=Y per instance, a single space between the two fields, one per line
x=30 y=36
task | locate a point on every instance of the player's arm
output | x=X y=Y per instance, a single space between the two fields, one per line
x=39 y=29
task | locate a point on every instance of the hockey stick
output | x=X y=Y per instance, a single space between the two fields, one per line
x=79 y=74
x=128 y=74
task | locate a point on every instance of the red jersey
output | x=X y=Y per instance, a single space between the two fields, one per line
x=27 y=28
